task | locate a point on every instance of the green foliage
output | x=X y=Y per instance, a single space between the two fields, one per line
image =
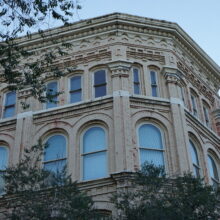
x=33 y=193
x=157 y=197
x=22 y=68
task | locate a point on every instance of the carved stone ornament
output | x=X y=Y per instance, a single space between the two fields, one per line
x=120 y=68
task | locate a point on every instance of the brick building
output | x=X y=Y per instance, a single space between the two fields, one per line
x=140 y=90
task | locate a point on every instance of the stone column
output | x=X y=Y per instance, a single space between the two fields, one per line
x=121 y=115
x=180 y=136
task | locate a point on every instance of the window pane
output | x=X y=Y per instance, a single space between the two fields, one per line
x=9 y=112
x=212 y=168
x=3 y=158
x=150 y=137
x=136 y=75
x=56 y=166
x=52 y=88
x=99 y=77
x=154 y=91
x=152 y=156
x=10 y=98
x=196 y=171
x=94 y=140
x=75 y=96
x=100 y=91
x=194 y=154
x=75 y=83
x=56 y=148
x=94 y=166
x=153 y=77
x=136 y=89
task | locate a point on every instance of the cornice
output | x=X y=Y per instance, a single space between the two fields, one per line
x=117 y=22
x=202 y=129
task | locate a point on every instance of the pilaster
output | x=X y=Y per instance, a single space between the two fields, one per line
x=181 y=162
x=121 y=114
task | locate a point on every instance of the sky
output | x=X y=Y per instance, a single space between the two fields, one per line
x=199 y=18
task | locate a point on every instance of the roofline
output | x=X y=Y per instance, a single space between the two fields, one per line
x=166 y=26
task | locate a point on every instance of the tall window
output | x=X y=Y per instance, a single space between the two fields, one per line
x=136 y=82
x=75 y=89
x=151 y=145
x=3 y=166
x=52 y=91
x=100 y=83
x=55 y=153
x=154 y=86
x=194 y=105
x=9 y=105
x=213 y=171
x=94 y=153
x=182 y=91
x=206 y=114
x=195 y=160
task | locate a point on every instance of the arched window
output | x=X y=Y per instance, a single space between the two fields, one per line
x=75 y=89
x=213 y=171
x=55 y=153
x=194 y=102
x=3 y=165
x=52 y=91
x=136 y=81
x=206 y=111
x=9 y=105
x=100 y=83
x=154 y=83
x=195 y=160
x=151 y=145
x=94 y=153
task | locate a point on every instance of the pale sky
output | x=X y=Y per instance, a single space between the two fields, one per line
x=199 y=18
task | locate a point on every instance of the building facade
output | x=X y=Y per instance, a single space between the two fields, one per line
x=139 y=90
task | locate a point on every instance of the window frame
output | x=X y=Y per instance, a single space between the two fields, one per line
x=55 y=160
x=136 y=83
x=194 y=103
x=154 y=85
x=82 y=154
x=215 y=182
x=57 y=104
x=95 y=86
x=7 y=164
x=206 y=114
x=72 y=91
x=196 y=166
x=152 y=149
x=9 y=106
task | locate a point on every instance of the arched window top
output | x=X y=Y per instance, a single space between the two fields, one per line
x=213 y=168
x=194 y=154
x=4 y=153
x=94 y=153
x=94 y=139
x=150 y=137
x=55 y=148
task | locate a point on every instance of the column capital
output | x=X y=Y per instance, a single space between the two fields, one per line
x=172 y=75
x=120 y=68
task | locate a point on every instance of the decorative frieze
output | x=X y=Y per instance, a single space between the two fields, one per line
x=196 y=82
x=140 y=54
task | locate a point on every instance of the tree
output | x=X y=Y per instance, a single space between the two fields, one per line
x=21 y=68
x=154 y=196
x=33 y=193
